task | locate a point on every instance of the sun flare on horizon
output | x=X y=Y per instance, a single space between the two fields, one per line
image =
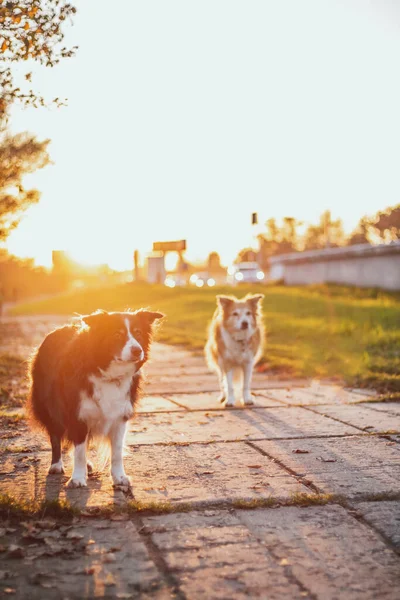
x=188 y=139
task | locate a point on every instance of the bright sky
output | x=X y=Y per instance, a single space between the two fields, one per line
x=184 y=117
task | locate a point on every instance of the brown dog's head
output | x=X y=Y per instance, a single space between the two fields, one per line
x=240 y=317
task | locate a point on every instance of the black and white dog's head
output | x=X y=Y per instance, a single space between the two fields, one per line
x=120 y=337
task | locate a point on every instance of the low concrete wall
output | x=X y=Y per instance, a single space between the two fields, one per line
x=362 y=265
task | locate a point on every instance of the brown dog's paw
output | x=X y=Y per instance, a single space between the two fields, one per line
x=78 y=482
x=248 y=400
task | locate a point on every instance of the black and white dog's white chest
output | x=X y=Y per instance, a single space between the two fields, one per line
x=109 y=403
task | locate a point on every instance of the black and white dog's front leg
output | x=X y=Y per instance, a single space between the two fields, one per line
x=117 y=437
x=79 y=473
x=247 y=375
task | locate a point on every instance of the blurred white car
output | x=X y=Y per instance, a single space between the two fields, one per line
x=245 y=272
x=202 y=279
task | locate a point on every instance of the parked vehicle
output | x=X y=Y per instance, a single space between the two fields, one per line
x=245 y=272
x=202 y=279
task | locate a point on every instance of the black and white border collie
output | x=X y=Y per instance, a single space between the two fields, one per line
x=85 y=381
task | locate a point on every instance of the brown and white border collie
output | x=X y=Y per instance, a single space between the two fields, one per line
x=85 y=381
x=235 y=342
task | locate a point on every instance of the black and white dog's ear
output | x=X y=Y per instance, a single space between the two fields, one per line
x=224 y=302
x=94 y=318
x=148 y=315
x=153 y=316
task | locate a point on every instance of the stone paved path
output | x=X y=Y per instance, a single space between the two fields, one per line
x=295 y=497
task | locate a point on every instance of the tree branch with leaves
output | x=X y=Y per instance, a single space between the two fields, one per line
x=31 y=31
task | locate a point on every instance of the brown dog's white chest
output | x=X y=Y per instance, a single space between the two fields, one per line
x=237 y=351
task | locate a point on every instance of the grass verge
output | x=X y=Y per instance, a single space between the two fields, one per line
x=347 y=334
x=19 y=509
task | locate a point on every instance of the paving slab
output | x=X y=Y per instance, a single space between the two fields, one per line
x=22 y=437
x=316 y=394
x=315 y=552
x=384 y=516
x=363 y=417
x=29 y=332
x=349 y=466
x=329 y=552
x=189 y=373
x=213 y=555
x=387 y=407
x=209 y=401
x=98 y=559
x=17 y=475
x=156 y=404
x=25 y=476
x=231 y=424
x=174 y=474
x=207 y=473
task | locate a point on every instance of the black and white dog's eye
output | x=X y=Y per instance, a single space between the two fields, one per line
x=137 y=332
x=235 y=313
x=248 y=313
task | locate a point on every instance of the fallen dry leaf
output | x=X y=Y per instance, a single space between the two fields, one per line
x=109 y=558
x=119 y=518
x=254 y=466
x=74 y=535
x=322 y=459
x=109 y=580
x=45 y=524
x=15 y=551
x=299 y=451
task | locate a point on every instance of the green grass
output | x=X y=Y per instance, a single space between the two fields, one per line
x=346 y=334
x=19 y=509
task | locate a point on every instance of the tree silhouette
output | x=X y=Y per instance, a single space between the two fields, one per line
x=30 y=30
x=327 y=233
x=19 y=155
x=387 y=223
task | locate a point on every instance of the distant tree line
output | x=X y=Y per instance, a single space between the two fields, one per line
x=20 y=278
x=291 y=235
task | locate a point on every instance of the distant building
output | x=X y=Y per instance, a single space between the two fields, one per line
x=362 y=265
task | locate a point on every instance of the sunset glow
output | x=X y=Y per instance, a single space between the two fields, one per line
x=191 y=123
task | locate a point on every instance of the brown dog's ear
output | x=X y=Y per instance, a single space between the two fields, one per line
x=149 y=315
x=224 y=302
x=94 y=318
x=254 y=300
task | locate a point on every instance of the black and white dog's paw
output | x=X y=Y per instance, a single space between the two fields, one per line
x=57 y=468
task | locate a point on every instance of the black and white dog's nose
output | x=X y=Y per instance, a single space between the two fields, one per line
x=244 y=325
x=136 y=353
